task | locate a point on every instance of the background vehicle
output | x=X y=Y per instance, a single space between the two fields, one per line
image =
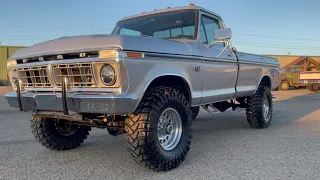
x=289 y=77
x=311 y=79
x=147 y=80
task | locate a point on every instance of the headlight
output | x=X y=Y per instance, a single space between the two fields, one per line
x=108 y=75
x=11 y=63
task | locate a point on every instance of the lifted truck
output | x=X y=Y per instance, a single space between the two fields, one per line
x=147 y=80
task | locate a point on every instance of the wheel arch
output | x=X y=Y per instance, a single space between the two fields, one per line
x=265 y=80
x=169 y=80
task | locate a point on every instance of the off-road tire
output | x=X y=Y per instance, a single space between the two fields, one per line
x=284 y=88
x=141 y=129
x=312 y=89
x=254 y=110
x=195 y=112
x=45 y=131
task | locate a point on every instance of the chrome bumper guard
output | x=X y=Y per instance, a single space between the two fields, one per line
x=70 y=102
x=65 y=87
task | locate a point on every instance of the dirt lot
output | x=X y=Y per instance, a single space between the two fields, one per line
x=223 y=147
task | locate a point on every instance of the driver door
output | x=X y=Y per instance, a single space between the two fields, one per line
x=219 y=73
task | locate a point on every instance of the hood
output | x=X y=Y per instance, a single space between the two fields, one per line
x=97 y=42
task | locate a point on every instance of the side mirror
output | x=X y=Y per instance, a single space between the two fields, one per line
x=222 y=34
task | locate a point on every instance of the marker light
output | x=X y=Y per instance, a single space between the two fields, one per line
x=107 y=54
x=135 y=55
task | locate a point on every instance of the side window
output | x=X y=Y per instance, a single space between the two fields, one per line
x=129 y=32
x=207 y=29
x=162 y=34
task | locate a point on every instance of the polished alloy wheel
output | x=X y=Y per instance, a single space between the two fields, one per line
x=266 y=107
x=169 y=129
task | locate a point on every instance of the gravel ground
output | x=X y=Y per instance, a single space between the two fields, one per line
x=224 y=147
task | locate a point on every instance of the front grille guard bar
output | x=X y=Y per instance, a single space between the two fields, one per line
x=65 y=87
x=19 y=90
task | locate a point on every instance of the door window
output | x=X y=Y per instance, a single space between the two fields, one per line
x=207 y=29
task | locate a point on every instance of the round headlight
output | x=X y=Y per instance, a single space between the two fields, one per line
x=108 y=75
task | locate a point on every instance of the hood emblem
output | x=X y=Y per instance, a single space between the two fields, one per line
x=41 y=59
x=82 y=55
x=60 y=56
x=24 y=60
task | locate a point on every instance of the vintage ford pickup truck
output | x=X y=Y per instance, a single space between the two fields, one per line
x=147 y=80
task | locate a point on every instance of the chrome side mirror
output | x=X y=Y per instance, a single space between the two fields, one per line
x=222 y=35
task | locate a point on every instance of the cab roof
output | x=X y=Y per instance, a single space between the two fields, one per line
x=190 y=7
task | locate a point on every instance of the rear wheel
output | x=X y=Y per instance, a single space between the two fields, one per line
x=314 y=87
x=260 y=108
x=58 y=135
x=159 y=132
x=284 y=85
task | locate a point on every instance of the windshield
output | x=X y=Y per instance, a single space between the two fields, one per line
x=175 y=24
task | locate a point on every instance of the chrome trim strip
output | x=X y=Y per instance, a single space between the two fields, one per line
x=186 y=57
x=258 y=63
x=63 y=52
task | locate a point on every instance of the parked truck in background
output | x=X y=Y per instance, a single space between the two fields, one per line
x=311 y=79
x=289 y=77
x=146 y=80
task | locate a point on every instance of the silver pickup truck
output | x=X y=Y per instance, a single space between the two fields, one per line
x=147 y=80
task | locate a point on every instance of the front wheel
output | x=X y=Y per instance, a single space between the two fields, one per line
x=284 y=85
x=159 y=132
x=58 y=135
x=260 y=108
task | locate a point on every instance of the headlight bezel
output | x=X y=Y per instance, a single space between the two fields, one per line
x=114 y=79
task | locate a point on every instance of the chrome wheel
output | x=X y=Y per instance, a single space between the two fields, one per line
x=169 y=129
x=266 y=107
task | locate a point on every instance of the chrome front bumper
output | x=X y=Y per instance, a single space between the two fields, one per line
x=98 y=104
x=75 y=102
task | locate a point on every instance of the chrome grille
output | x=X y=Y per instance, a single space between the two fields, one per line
x=34 y=76
x=79 y=75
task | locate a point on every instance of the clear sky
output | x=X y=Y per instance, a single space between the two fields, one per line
x=262 y=27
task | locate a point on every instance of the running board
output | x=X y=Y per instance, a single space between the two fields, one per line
x=214 y=110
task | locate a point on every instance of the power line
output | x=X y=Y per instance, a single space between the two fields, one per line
x=278 y=45
x=277 y=37
x=47 y=27
x=266 y=46
x=90 y=27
